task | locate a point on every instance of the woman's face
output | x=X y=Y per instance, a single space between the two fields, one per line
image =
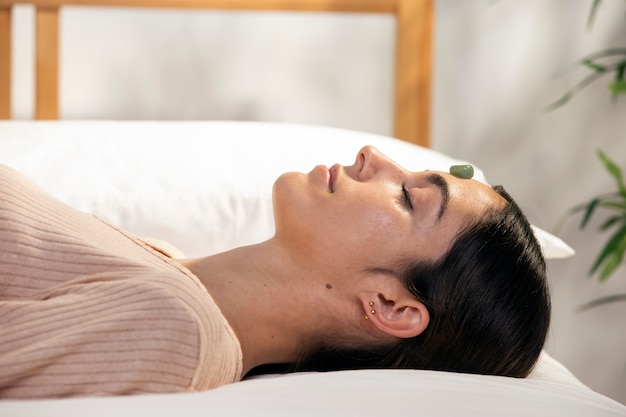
x=374 y=213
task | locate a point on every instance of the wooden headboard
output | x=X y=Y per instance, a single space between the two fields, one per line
x=414 y=38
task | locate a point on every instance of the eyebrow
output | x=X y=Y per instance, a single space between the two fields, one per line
x=440 y=182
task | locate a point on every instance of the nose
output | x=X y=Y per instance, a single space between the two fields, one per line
x=370 y=161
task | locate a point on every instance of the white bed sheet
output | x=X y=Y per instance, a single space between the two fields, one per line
x=354 y=393
x=212 y=181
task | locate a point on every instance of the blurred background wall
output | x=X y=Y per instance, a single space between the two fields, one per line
x=498 y=64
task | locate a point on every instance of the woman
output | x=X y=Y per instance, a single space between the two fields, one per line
x=370 y=266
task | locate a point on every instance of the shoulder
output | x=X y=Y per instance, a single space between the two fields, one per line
x=180 y=307
x=100 y=334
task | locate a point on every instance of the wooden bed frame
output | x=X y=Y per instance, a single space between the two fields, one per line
x=414 y=22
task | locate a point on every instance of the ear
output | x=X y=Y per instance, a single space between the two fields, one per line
x=394 y=310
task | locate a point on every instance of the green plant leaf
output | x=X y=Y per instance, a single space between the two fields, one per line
x=614 y=170
x=591 y=60
x=618 y=87
x=592 y=13
x=589 y=209
x=614 y=205
x=616 y=244
x=612 y=262
x=611 y=221
x=605 y=53
x=575 y=90
x=621 y=66
x=598 y=71
x=601 y=301
x=592 y=65
x=612 y=201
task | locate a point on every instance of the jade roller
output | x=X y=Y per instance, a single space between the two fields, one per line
x=462 y=171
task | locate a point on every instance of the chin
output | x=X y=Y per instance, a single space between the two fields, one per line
x=292 y=202
x=286 y=196
x=285 y=187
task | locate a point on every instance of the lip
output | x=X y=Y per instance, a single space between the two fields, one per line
x=329 y=175
x=324 y=172
x=333 y=174
x=330 y=180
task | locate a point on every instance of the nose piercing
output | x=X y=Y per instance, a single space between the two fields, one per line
x=462 y=171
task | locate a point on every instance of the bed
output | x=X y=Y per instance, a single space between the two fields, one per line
x=205 y=187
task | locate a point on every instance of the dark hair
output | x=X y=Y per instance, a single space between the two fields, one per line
x=488 y=302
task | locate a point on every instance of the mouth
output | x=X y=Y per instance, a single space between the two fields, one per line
x=332 y=177
x=329 y=179
x=329 y=175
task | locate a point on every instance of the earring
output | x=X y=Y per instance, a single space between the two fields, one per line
x=372 y=310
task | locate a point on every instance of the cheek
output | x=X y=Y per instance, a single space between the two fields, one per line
x=377 y=225
x=373 y=214
x=372 y=234
x=357 y=227
x=436 y=242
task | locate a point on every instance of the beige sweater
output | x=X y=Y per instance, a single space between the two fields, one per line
x=87 y=309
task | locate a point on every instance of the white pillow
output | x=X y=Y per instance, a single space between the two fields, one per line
x=205 y=187
x=552 y=246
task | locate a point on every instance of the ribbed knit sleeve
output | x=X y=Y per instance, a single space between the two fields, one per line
x=86 y=309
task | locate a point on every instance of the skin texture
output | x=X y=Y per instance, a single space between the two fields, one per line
x=343 y=235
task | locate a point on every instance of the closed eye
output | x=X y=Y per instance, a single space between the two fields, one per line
x=406 y=197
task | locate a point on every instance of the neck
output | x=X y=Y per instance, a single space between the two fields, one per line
x=267 y=299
